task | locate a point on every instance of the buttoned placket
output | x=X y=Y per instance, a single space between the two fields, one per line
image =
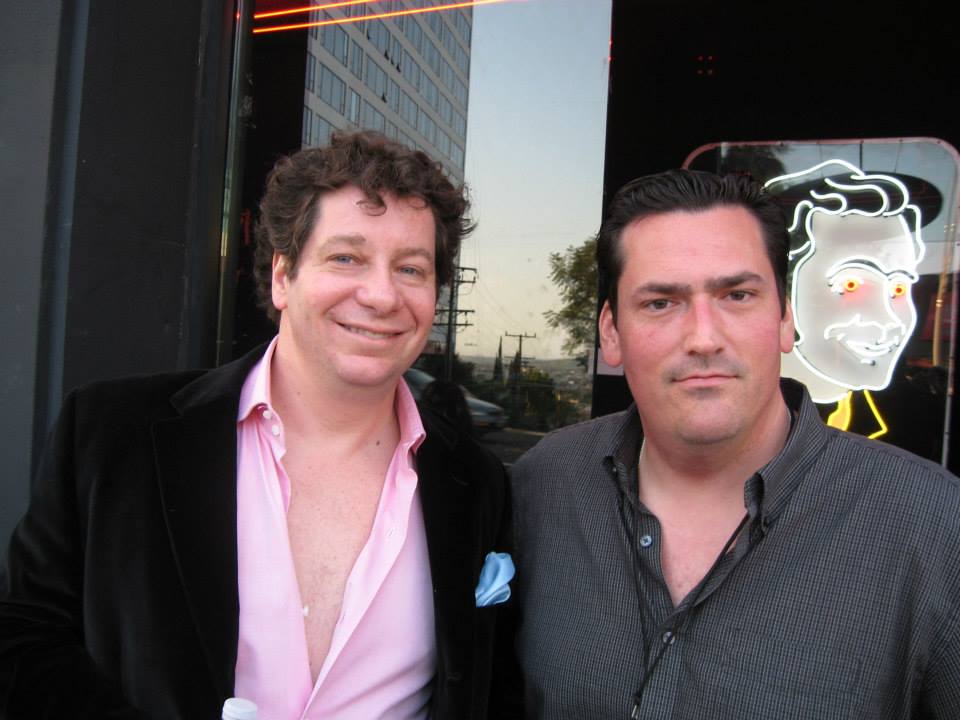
x=663 y=626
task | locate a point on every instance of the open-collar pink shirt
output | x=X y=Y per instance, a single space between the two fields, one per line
x=382 y=655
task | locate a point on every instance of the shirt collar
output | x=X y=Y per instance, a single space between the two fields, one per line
x=412 y=433
x=780 y=477
x=256 y=393
x=256 y=388
x=767 y=491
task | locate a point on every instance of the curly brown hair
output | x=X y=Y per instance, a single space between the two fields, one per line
x=373 y=164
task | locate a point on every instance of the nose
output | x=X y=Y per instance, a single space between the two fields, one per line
x=378 y=291
x=703 y=335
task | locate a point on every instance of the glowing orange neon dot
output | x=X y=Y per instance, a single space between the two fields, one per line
x=899 y=290
x=850 y=284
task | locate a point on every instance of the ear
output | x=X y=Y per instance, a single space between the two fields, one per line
x=279 y=281
x=787 y=329
x=609 y=337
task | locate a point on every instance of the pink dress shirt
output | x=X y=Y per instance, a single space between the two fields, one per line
x=382 y=654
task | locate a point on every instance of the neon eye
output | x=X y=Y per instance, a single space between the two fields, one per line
x=846 y=282
x=898 y=290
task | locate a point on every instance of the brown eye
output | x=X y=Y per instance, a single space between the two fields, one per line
x=850 y=284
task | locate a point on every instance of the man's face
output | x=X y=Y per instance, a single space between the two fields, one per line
x=361 y=303
x=699 y=329
x=852 y=298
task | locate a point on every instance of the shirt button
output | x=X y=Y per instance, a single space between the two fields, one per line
x=275 y=429
x=646 y=541
x=669 y=638
x=267 y=414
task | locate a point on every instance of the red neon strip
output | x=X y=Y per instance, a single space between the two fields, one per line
x=309 y=8
x=377 y=16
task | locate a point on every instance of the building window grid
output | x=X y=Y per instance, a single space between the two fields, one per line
x=430 y=92
x=443 y=143
x=448 y=41
x=372 y=118
x=353 y=107
x=321 y=131
x=408 y=109
x=375 y=78
x=410 y=69
x=393 y=95
x=399 y=100
x=419 y=79
x=425 y=48
x=334 y=39
x=427 y=127
x=356 y=59
x=459 y=125
x=446 y=110
x=457 y=155
x=463 y=26
x=332 y=89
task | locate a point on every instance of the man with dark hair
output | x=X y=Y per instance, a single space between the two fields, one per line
x=716 y=551
x=287 y=528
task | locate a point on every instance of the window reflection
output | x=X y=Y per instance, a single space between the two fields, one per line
x=511 y=99
x=871 y=276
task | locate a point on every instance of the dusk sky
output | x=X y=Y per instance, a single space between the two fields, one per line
x=534 y=161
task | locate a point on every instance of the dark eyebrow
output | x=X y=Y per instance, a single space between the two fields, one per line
x=712 y=285
x=730 y=281
x=663 y=288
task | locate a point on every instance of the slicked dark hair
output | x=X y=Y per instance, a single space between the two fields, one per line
x=373 y=164
x=689 y=191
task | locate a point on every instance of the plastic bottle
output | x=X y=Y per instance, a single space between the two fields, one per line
x=239 y=709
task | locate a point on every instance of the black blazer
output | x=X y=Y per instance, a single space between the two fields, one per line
x=122 y=598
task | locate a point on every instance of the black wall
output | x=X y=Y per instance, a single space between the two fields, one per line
x=117 y=125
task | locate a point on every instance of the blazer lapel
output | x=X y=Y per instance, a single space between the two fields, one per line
x=447 y=499
x=196 y=462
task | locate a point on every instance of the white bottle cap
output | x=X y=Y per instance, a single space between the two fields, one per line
x=239 y=709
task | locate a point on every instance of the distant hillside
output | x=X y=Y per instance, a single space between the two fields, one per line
x=564 y=371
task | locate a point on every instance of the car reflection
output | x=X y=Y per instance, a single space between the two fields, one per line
x=486 y=416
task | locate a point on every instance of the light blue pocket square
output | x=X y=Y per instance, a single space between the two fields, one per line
x=495 y=577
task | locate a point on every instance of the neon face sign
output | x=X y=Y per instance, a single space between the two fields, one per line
x=853 y=271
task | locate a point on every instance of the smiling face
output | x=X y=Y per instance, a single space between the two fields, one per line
x=359 y=307
x=852 y=298
x=699 y=329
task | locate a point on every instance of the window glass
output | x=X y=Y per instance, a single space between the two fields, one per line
x=334 y=40
x=871 y=269
x=356 y=59
x=353 y=107
x=511 y=99
x=410 y=69
x=311 y=73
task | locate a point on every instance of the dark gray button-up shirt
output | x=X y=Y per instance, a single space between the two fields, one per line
x=841 y=598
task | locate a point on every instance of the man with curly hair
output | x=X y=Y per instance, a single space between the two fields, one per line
x=287 y=528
